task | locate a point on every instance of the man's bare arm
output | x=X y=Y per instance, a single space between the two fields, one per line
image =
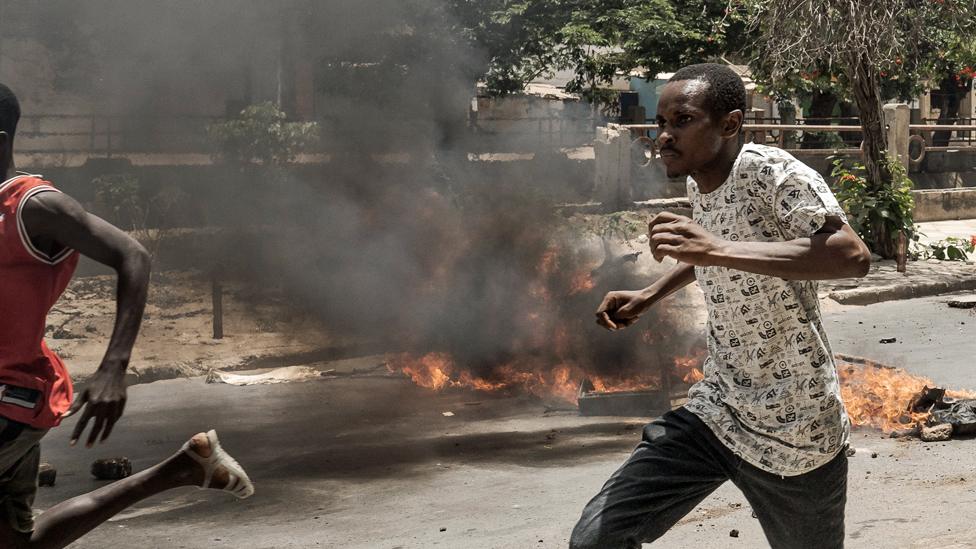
x=56 y=218
x=622 y=308
x=833 y=252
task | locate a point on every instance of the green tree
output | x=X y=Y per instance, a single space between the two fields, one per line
x=596 y=39
x=261 y=135
x=868 y=45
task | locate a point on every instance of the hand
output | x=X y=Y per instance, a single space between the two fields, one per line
x=105 y=399
x=681 y=238
x=620 y=309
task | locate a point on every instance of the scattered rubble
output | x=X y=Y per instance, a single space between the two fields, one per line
x=935 y=433
x=963 y=304
x=64 y=333
x=947 y=417
x=111 y=468
x=734 y=534
x=960 y=414
x=888 y=340
x=47 y=475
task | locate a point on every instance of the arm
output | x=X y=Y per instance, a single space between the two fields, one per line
x=835 y=251
x=54 y=218
x=622 y=308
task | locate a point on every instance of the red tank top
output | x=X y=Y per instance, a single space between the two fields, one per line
x=30 y=283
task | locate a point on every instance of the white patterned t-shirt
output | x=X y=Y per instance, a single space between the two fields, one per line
x=771 y=392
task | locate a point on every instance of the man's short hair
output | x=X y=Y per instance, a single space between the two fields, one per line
x=9 y=111
x=725 y=92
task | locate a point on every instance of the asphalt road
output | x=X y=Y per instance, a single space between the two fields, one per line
x=374 y=463
x=932 y=339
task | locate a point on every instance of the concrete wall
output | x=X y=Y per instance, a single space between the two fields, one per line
x=520 y=122
x=944 y=204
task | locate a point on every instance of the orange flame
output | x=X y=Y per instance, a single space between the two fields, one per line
x=608 y=384
x=694 y=376
x=437 y=371
x=875 y=395
x=687 y=367
x=581 y=282
x=432 y=370
x=878 y=396
x=548 y=262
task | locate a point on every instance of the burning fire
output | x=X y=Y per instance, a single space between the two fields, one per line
x=582 y=282
x=432 y=370
x=539 y=350
x=437 y=371
x=879 y=396
x=688 y=366
x=875 y=395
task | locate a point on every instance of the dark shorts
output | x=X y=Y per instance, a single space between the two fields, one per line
x=679 y=462
x=20 y=456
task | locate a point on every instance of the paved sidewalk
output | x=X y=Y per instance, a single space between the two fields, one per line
x=921 y=279
x=935 y=231
x=885 y=283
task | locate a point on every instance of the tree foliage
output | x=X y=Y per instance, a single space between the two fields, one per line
x=866 y=44
x=596 y=39
x=878 y=216
x=261 y=135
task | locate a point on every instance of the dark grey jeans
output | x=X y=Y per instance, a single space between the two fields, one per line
x=680 y=462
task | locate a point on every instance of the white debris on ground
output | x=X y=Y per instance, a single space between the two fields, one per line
x=288 y=374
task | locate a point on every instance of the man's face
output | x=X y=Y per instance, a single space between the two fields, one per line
x=688 y=139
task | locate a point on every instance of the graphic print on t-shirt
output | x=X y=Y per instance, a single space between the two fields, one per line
x=771 y=391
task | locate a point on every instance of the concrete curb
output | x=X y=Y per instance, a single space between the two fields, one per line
x=868 y=296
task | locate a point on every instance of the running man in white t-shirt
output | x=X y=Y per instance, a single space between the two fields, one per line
x=768 y=415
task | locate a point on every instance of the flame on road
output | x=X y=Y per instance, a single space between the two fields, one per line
x=875 y=395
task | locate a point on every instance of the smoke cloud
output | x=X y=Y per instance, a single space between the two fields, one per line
x=398 y=238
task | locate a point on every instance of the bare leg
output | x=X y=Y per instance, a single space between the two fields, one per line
x=67 y=521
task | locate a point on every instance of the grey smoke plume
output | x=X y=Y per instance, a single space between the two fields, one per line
x=399 y=239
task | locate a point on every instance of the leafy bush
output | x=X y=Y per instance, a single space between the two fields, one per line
x=119 y=198
x=950 y=249
x=260 y=134
x=877 y=215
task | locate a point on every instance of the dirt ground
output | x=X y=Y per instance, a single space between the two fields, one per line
x=176 y=338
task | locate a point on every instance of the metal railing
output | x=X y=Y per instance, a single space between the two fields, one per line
x=772 y=134
x=961 y=137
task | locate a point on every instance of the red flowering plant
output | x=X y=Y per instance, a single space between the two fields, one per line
x=874 y=212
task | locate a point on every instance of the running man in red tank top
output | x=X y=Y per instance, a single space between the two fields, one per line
x=42 y=233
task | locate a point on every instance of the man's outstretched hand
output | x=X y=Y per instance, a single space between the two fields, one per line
x=102 y=400
x=621 y=309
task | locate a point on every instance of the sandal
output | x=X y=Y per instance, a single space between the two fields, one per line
x=238 y=482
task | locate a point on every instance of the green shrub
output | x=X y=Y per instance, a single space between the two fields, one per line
x=877 y=215
x=950 y=249
x=261 y=135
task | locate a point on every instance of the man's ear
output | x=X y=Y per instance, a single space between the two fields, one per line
x=732 y=124
x=5 y=143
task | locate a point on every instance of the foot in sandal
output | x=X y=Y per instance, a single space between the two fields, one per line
x=215 y=468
